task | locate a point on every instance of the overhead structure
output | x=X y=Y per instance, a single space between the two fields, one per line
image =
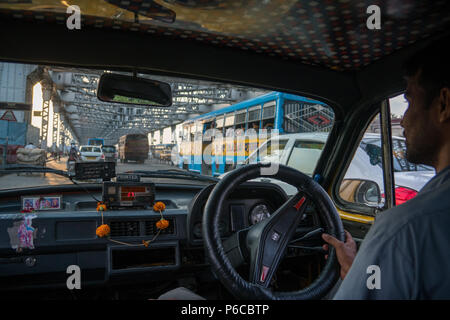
x=90 y=117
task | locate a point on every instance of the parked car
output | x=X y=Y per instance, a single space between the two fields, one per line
x=302 y=152
x=110 y=153
x=91 y=154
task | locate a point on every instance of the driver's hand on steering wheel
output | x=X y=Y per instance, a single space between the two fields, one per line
x=345 y=251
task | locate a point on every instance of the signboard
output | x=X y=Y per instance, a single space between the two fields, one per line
x=8 y=115
x=12 y=111
x=15 y=106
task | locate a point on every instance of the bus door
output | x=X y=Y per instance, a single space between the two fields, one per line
x=197 y=135
x=267 y=121
x=218 y=156
x=239 y=122
x=230 y=151
x=185 y=147
x=208 y=134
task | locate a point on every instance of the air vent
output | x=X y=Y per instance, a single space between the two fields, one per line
x=151 y=229
x=124 y=228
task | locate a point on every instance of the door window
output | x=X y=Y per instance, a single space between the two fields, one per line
x=305 y=155
x=363 y=182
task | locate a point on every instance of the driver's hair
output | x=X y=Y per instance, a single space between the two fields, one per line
x=433 y=65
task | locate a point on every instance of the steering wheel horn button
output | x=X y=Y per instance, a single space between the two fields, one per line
x=264 y=272
x=275 y=236
x=30 y=261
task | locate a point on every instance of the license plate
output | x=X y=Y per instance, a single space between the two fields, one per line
x=91 y=158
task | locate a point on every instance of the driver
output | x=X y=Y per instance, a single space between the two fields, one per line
x=405 y=254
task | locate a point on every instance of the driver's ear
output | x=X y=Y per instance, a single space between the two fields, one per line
x=444 y=105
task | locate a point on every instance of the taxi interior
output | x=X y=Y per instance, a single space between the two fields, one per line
x=322 y=49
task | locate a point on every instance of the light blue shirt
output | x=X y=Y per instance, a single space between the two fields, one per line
x=410 y=246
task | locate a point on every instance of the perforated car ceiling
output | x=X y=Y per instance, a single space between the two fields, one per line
x=331 y=34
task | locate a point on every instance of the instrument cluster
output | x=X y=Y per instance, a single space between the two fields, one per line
x=243 y=209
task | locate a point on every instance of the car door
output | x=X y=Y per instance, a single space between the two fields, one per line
x=377 y=176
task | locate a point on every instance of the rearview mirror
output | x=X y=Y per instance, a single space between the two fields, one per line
x=360 y=191
x=119 y=88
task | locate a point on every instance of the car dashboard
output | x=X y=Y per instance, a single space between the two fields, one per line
x=67 y=236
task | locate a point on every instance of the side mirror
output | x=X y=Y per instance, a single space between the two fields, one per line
x=119 y=88
x=365 y=192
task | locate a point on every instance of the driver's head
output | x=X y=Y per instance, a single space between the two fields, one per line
x=426 y=122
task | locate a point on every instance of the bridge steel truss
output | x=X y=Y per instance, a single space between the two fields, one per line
x=81 y=115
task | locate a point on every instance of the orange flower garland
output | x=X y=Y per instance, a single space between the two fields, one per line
x=103 y=231
x=101 y=206
x=159 y=206
x=162 y=223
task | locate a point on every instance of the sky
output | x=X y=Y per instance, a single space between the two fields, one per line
x=398 y=105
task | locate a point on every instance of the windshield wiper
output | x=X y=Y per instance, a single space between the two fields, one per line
x=20 y=168
x=173 y=173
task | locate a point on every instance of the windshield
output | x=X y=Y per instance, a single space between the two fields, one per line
x=51 y=117
x=269 y=152
x=90 y=149
x=109 y=149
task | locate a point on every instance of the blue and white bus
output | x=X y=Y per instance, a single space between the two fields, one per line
x=96 y=142
x=286 y=113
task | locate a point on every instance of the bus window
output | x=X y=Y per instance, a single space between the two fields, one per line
x=219 y=123
x=240 y=119
x=268 y=115
x=254 y=117
x=229 y=121
x=306 y=117
x=208 y=124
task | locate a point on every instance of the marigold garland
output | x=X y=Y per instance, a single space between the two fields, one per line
x=101 y=206
x=159 y=206
x=103 y=231
x=162 y=224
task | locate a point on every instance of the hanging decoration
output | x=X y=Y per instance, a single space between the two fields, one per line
x=104 y=230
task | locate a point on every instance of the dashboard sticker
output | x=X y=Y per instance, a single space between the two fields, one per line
x=41 y=203
x=22 y=233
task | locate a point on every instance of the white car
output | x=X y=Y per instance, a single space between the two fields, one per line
x=302 y=151
x=91 y=154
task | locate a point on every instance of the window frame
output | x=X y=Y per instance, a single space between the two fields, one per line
x=387 y=163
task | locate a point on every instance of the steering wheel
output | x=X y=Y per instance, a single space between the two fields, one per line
x=263 y=245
